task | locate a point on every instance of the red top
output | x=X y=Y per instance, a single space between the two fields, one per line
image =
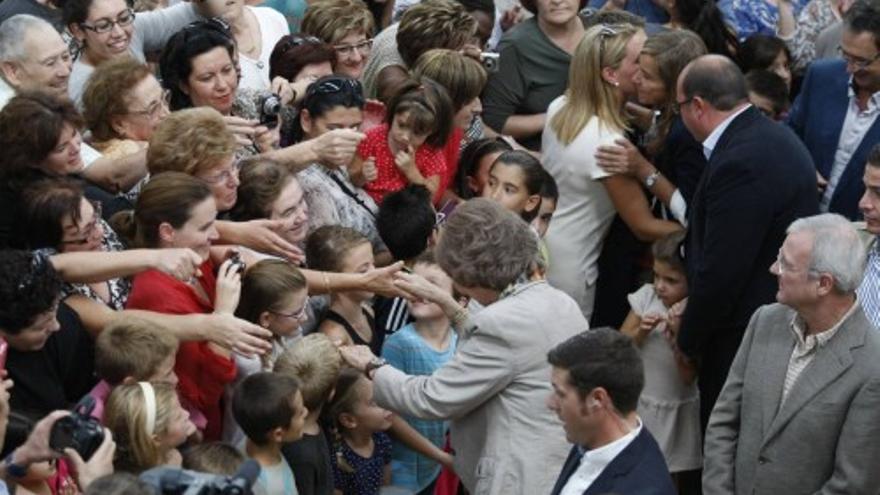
x=452 y=152
x=203 y=374
x=430 y=162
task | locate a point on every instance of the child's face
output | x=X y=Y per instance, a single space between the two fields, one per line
x=369 y=415
x=478 y=182
x=165 y=373
x=401 y=136
x=421 y=309
x=359 y=259
x=669 y=283
x=295 y=430
x=507 y=186
x=179 y=428
x=545 y=213
x=287 y=318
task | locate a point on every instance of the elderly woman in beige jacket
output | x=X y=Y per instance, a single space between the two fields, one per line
x=494 y=390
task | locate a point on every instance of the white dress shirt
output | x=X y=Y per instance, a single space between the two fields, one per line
x=855 y=126
x=710 y=142
x=595 y=461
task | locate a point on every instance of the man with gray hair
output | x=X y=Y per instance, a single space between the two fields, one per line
x=798 y=413
x=33 y=57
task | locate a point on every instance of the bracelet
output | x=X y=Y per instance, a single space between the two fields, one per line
x=326 y=283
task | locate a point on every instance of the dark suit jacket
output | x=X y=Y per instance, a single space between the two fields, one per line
x=817 y=117
x=638 y=470
x=758 y=180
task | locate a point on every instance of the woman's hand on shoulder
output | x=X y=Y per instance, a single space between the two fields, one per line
x=239 y=335
x=181 y=263
x=623 y=158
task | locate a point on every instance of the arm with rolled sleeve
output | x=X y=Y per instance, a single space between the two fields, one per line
x=482 y=367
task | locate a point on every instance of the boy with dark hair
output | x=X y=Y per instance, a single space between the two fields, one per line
x=406 y=223
x=269 y=408
x=768 y=92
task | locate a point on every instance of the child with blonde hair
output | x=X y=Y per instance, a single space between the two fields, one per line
x=131 y=350
x=148 y=425
x=315 y=362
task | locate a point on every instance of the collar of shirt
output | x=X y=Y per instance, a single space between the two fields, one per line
x=6 y=92
x=804 y=343
x=596 y=460
x=715 y=135
x=873 y=102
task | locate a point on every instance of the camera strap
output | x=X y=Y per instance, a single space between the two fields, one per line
x=150 y=405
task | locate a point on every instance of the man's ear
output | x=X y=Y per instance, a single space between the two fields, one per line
x=10 y=73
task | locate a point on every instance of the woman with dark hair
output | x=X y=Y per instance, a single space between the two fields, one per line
x=473 y=167
x=107 y=29
x=532 y=69
x=704 y=18
x=299 y=57
x=495 y=387
x=335 y=102
x=764 y=52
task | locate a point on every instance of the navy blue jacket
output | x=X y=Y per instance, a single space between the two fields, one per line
x=638 y=470
x=817 y=117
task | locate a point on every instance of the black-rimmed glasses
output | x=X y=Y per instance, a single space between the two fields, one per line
x=106 y=25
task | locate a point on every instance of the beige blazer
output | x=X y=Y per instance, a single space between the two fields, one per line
x=824 y=439
x=494 y=391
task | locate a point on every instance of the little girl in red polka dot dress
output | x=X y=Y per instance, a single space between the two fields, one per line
x=408 y=147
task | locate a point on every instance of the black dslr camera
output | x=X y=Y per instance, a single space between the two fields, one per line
x=269 y=107
x=168 y=480
x=79 y=431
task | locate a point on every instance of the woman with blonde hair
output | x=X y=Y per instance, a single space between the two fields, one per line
x=587 y=116
x=148 y=425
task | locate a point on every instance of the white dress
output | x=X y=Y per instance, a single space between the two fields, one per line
x=669 y=408
x=255 y=72
x=584 y=211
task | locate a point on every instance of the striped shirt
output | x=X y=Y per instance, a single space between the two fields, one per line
x=805 y=348
x=869 y=290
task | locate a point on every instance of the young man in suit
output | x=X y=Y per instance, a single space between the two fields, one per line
x=758 y=179
x=798 y=413
x=597 y=378
x=836 y=112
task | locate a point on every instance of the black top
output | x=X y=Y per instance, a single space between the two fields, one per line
x=392 y=314
x=309 y=459
x=56 y=376
x=9 y=8
x=378 y=337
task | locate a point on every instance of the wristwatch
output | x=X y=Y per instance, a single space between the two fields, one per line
x=374 y=363
x=652 y=179
x=14 y=470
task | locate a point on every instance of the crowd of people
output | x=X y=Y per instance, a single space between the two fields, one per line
x=441 y=246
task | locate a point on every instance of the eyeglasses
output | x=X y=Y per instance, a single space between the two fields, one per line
x=784 y=266
x=107 y=25
x=363 y=48
x=676 y=107
x=294 y=41
x=858 y=62
x=88 y=231
x=296 y=315
x=334 y=84
x=155 y=108
x=225 y=176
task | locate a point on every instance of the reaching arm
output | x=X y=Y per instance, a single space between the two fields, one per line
x=334 y=148
x=118 y=174
x=98 y=266
x=409 y=436
x=632 y=206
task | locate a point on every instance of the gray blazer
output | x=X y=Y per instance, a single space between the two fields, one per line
x=495 y=390
x=825 y=438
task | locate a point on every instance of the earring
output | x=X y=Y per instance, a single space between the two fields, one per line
x=616 y=84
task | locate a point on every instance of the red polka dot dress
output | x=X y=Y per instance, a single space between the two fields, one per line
x=429 y=160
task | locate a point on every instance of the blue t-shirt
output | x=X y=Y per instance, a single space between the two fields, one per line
x=368 y=472
x=407 y=351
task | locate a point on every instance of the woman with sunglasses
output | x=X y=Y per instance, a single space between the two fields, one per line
x=588 y=115
x=107 y=29
x=300 y=60
x=335 y=102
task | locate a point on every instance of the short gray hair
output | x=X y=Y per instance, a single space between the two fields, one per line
x=484 y=245
x=837 y=249
x=13 y=32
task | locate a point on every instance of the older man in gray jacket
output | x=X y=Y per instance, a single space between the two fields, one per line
x=798 y=413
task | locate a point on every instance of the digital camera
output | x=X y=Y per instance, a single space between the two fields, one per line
x=78 y=431
x=269 y=107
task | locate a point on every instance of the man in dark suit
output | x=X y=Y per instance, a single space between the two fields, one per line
x=758 y=179
x=597 y=379
x=836 y=112
x=798 y=413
